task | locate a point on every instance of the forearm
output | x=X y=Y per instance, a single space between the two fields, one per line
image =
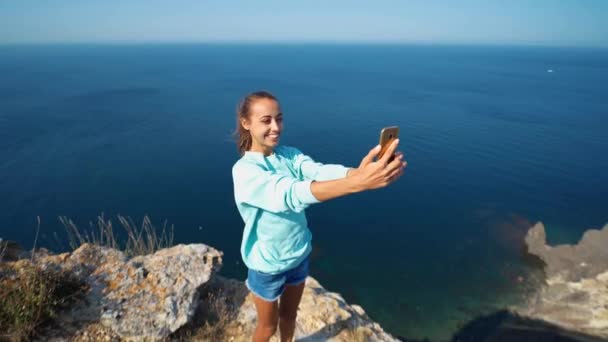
x=326 y=190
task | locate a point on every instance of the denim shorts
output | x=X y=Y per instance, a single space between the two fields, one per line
x=269 y=287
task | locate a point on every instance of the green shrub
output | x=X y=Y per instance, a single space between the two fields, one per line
x=30 y=296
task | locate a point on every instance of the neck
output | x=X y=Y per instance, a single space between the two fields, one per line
x=262 y=149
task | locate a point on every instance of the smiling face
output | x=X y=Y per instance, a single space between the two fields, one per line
x=265 y=124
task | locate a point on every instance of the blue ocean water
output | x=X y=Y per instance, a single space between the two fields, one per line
x=496 y=138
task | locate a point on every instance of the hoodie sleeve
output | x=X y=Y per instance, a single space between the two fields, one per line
x=273 y=192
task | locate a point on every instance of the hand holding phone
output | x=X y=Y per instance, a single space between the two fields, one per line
x=387 y=135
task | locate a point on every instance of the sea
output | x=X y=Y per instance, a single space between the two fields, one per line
x=497 y=139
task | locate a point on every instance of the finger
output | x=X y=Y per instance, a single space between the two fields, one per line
x=396 y=176
x=396 y=155
x=392 y=173
x=396 y=170
x=395 y=164
x=370 y=156
x=389 y=151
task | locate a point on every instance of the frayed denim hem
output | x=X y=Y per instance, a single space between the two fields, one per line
x=262 y=297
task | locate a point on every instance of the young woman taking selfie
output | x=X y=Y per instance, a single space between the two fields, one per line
x=273 y=185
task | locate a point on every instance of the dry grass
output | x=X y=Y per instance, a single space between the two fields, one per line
x=141 y=240
x=30 y=296
x=212 y=319
x=217 y=319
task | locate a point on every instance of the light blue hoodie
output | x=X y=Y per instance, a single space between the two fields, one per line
x=271 y=193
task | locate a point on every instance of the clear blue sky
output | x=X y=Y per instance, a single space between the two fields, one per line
x=543 y=22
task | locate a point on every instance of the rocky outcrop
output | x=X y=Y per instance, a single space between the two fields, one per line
x=174 y=294
x=586 y=259
x=575 y=295
x=322 y=315
x=145 y=297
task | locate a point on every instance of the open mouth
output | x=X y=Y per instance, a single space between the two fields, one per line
x=273 y=136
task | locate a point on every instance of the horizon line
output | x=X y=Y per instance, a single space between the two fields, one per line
x=301 y=42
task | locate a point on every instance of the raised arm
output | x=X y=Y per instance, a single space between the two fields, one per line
x=307 y=168
x=369 y=175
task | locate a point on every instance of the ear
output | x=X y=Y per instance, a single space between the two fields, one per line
x=245 y=123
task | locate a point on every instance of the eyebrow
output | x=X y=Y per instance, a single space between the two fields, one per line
x=268 y=115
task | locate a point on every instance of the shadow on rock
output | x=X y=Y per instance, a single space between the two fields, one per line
x=220 y=300
x=505 y=326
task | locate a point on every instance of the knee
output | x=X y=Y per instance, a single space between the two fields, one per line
x=267 y=329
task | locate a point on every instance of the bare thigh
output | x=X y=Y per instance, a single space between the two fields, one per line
x=268 y=312
x=290 y=300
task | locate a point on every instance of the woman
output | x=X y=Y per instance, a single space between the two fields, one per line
x=272 y=186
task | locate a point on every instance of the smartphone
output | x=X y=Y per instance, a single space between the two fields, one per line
x=387 y=135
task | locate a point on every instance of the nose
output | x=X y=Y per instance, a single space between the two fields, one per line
x=274 y=125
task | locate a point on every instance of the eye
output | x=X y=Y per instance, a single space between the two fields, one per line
x=266 y=121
